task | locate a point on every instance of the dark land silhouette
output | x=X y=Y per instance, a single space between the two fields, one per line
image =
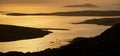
x=72 y=13
x=82 y=5
x=13 y=33
x=101 y=21
x=105 y=44
x=26 y=14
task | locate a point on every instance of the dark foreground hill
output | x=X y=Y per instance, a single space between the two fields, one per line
x=13 y=33
x=105 y=44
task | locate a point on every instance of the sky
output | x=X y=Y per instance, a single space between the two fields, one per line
x=56 y=2
x=56 y=5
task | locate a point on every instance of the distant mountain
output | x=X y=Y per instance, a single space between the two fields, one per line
x=83 y=5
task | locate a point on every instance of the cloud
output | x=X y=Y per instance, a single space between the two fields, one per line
x=82 y=5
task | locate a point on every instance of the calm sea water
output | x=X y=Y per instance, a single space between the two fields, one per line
x=56 y=39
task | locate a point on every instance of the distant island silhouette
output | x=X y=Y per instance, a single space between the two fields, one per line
x=82 y=5
x=105 y=44
x=71 y=13
x=101 y=21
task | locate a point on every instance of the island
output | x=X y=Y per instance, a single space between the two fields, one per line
x=71 y=13
x=101 y=21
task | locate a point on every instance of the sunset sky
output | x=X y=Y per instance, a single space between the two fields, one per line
x=57 y=2
x=50 y=5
